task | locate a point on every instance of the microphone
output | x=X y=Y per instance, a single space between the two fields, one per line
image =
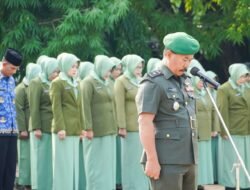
x=196 y=72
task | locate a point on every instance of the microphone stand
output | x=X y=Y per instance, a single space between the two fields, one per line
x=240 y=161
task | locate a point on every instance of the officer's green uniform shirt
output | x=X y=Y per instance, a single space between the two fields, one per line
x=174 y=109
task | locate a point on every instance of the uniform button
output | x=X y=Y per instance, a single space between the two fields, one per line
x=167 y=135
x=193 y=134
x=186 y=103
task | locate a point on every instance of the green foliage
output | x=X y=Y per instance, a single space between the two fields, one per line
x=118 y=27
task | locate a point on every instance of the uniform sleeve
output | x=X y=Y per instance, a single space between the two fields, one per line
x=20 y=105
x=120 y=91
x=34 y=96
x=86 y=95
x=148 y=97
x=56 y=101
x=222 y=102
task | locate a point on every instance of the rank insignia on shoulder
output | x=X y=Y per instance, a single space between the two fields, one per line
x=155 y=73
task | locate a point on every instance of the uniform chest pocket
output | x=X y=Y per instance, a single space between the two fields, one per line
x=173 y=100
x=173 y=95
x=167 y=135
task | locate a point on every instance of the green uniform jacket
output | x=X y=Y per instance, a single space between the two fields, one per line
x=206 y=117
x=67 y=110
x=173 y=104
x=98 y=107
x=126 y=112
x=40 y=106
x=22 y=107
x=234 y=109
x=247 y=95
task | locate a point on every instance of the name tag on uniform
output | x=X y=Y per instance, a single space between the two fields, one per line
x=238 y=94
x=98 y=88
x=67 y=88
x=172 y=89
x=46 y=91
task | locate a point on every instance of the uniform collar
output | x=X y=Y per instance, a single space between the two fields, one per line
x=2 y=76
x=166 y=71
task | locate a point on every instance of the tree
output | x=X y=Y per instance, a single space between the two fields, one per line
x=115 y=28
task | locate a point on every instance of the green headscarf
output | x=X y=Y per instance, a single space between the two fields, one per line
x=65 y=62
x=200 y=93
x=41 y=61
x=132 y=61
x=195 y=63
x=116 y=61
x=102 y=65
x=237 y=70
x=153 y=64
x=32 y=70
x=50 y=65
x=212 y=75
x=124 y=62
x=85 y=68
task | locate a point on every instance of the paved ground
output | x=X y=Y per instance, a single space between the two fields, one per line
x=207 y=187
x=214 y=187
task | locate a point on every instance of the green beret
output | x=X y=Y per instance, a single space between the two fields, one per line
x=181 y=43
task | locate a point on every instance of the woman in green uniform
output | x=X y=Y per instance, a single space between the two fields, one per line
x=67 y=124
x=85 y=68
x=126 y=86
x=115 y=73
x=40 y=126
x=205 y=117
x=214 y=142
x=99 y=144
x=234 y=107
x=23 y=114
x=116 y=70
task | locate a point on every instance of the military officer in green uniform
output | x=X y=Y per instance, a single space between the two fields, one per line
x=167 y=121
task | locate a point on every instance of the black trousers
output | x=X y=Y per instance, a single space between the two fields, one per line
x=8 y=158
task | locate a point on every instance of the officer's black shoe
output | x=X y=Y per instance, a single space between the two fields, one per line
x=230 y=188
x=200 y=187
x=118 y=187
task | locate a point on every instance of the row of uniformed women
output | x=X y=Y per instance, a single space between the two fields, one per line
x=233 y=99
x=234 y=104
x=207 y=127
x=62 y=112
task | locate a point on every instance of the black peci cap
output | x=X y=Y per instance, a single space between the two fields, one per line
x=13 y=56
